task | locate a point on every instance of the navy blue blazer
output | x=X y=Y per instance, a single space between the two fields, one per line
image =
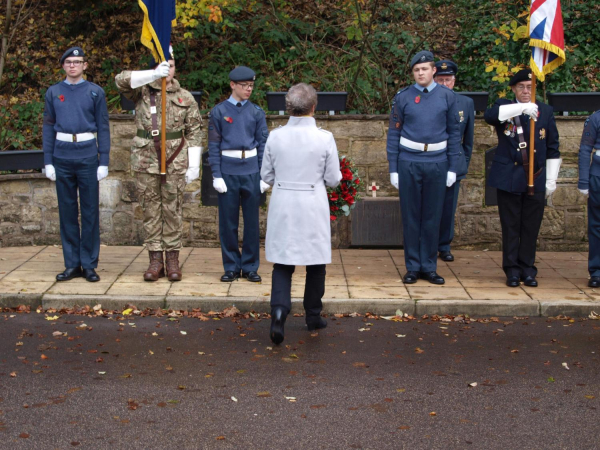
x=466 y=123
x=507 y=172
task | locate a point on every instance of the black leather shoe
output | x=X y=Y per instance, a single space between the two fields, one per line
x=410 y=277
x=432 y=277
x=512 y=281
x=446 y=256
x=252 y=276
x=91 y=275
x=229 y=276
x=69 y=274
x=594 y=282
x=277 y=323
x=316 y=323
x=530 y=281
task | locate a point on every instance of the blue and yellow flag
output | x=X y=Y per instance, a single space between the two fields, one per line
x=159 y=17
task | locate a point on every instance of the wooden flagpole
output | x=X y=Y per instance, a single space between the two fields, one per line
x=163 y=130
x=530 y=187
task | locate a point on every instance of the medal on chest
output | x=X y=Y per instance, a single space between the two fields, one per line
x=462 y=116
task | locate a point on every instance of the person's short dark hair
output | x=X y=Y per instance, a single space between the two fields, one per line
x=300 y=99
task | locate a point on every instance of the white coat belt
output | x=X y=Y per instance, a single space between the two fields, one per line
x=240 y=154
x=597 y=151
x=423 y=147
x=296 y=186
x=80 y=137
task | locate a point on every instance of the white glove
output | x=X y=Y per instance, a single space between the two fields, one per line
x=584 y=191
x=142 y=77
x=552 y=169
x=506 y=112
x=102 y=172
x=450 y=179
x=394 y=179
x=193 y=171
x=219 y=185
x=264 y=187
x=531 y=109
x=50 y=172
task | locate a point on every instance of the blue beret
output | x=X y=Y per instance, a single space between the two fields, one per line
x=73 y=51
x=242 y=73
x=521 y=75
x=446 y=67
x=422 y=57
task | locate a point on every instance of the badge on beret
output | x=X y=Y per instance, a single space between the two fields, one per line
x=444 y=66
x=529 y=75
x=423 y=58
x=228 y=119
x=542 y=133
x=418 y=99
x=76 y=52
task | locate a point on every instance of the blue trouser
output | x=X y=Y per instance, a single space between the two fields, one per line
x=448 y=213
x=594 y=226
x=244 y=190
x=422 y=193
x=314 y=289
x=80 y=247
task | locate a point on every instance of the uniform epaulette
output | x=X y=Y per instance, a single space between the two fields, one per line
x=324 y=131
x=402 y=90
x=257 y=107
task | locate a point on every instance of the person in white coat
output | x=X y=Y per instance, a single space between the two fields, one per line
x=300 y=160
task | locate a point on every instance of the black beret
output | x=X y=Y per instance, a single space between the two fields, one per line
x=73 y=51
x=242 y=73
x=422 y=57
x=521 y=75
x=446 y=67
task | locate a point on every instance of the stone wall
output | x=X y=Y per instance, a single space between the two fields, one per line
x=29 y=213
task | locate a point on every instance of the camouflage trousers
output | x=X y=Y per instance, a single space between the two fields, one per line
x=163 y=210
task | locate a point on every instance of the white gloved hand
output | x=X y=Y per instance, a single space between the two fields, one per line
x=193 y=171
x=531 y=109
x=264 y=187
x=552 y=169
x=102 y=172
x=219 y=185
x=394 y=180
x=142 y=77
x=450 y=179
x=50 y=172
x=584 y=191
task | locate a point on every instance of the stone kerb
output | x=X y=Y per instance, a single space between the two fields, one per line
x=29 y=213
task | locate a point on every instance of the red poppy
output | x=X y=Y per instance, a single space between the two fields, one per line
x=418 y=99
x=228 y=119
x=180 y=100
x=333 y=208
x=332 y=218
x=357 y=181
x=61 y=98
x=346 y=174
x=333 y=196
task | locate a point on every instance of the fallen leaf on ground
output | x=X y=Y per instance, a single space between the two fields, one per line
x=419 y=350
x=234 y=399
x=52 y=318
x=127 y=311
x=263 y=394
x=183 y=332
x=473 y=384
x=565 y=365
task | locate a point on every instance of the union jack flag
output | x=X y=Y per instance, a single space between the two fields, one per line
x=546 y=37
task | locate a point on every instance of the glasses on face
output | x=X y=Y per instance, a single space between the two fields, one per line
x=522 y=88
x=246 y=86
x=75 y=63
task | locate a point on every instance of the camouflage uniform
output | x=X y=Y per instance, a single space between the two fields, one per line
x=162 y=203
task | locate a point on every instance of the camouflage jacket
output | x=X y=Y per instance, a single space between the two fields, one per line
x=182 y=114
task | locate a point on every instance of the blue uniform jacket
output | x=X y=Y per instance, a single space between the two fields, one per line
x=507 y=172
x=590 y=141
x=466 y=122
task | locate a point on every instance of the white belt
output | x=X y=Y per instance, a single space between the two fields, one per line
x=80 y=137
x=241 y=154
x=423 y=147
x=597 y=152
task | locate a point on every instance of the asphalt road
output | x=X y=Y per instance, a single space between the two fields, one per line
x=142 y=383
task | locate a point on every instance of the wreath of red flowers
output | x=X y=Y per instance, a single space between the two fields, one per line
x=343 y=198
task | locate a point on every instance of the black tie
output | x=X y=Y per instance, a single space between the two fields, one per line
x=425 y=91
x=238 y=104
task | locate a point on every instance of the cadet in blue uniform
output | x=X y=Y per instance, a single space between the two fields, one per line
x=237 y=132
x=77 y=160
x=445 y=75
x=521 y=214
x=589 y=183
x=423 y=146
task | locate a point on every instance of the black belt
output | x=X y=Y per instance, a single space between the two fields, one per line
x=170 y=136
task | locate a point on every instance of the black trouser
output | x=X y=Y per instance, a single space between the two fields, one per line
x=314 y=289
x=520 y=217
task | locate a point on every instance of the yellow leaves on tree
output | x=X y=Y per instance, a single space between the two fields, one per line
x=190 y=12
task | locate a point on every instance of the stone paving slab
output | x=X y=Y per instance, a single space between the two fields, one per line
x=357 y=281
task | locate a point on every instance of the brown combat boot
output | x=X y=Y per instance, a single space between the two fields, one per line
x=156 y=269
x=173 y=270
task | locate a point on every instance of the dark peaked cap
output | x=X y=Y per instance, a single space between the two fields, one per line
x=446 y=67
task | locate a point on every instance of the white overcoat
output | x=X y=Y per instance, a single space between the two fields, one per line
x=299 y=161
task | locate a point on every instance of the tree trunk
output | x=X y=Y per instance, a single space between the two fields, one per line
x=4 y=49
